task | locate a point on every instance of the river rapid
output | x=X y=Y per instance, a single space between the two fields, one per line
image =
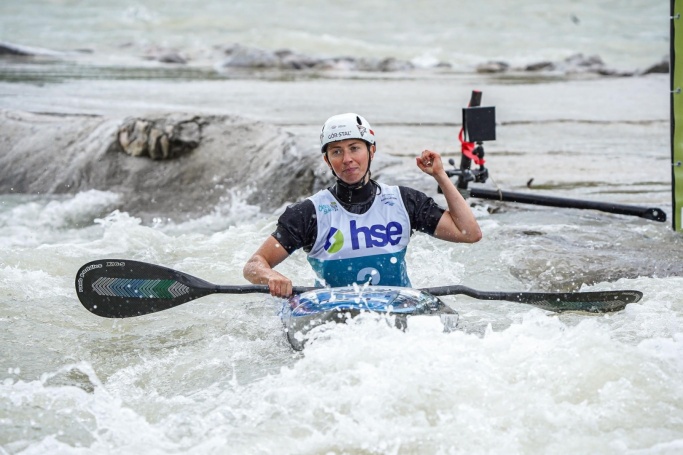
x=216 y=375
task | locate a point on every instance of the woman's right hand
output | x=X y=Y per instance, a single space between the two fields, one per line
x=279 y=285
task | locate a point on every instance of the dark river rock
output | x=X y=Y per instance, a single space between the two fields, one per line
x=171 y=165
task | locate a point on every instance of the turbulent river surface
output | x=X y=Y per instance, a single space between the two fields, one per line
x=217 y=376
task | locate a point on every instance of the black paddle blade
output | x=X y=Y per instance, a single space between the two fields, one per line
x=592 y=302
x=120 y=288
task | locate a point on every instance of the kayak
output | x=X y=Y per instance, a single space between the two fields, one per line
x=306 y=311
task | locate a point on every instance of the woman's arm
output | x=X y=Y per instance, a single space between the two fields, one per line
x=458 y=223
x=259 y=268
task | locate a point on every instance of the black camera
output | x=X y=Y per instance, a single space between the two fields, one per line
x=479 y=123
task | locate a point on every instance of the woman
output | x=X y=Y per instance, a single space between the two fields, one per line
x=357 y=231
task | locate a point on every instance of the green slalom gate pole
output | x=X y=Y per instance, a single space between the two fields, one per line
x=676 y=74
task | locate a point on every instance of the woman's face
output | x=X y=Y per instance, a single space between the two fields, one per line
x=349 y=159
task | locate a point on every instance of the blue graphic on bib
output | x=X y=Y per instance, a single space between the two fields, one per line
x=377 y=270
x=335 y=241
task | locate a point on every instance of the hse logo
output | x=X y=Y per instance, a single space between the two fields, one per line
x=375 y=235
x=335 y=241
x=364 y=236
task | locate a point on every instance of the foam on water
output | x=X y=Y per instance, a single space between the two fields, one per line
x=542 y=384
x=233 y=209
x=30 y=221
x=217 y=373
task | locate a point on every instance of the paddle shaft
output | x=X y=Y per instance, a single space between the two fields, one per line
x=255 y=289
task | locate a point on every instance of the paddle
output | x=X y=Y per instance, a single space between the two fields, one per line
x=120 y=288
x=591 y=302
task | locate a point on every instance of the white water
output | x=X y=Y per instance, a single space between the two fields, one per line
x=216 y=375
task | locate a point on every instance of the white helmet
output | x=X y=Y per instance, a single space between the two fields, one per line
x=346 y=126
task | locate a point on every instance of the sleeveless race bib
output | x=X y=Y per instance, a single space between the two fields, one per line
x=368 y=248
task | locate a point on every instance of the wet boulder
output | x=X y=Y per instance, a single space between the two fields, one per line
x=246 y=57
x=492 y=67
x=163 y=138
x=17 y=50
x=171 y=165
x=295 y=61
x=658 y=68
x=239 y=56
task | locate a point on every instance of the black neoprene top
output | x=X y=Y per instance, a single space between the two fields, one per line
x=297 y=227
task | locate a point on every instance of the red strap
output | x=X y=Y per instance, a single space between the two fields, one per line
x=468 y=149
